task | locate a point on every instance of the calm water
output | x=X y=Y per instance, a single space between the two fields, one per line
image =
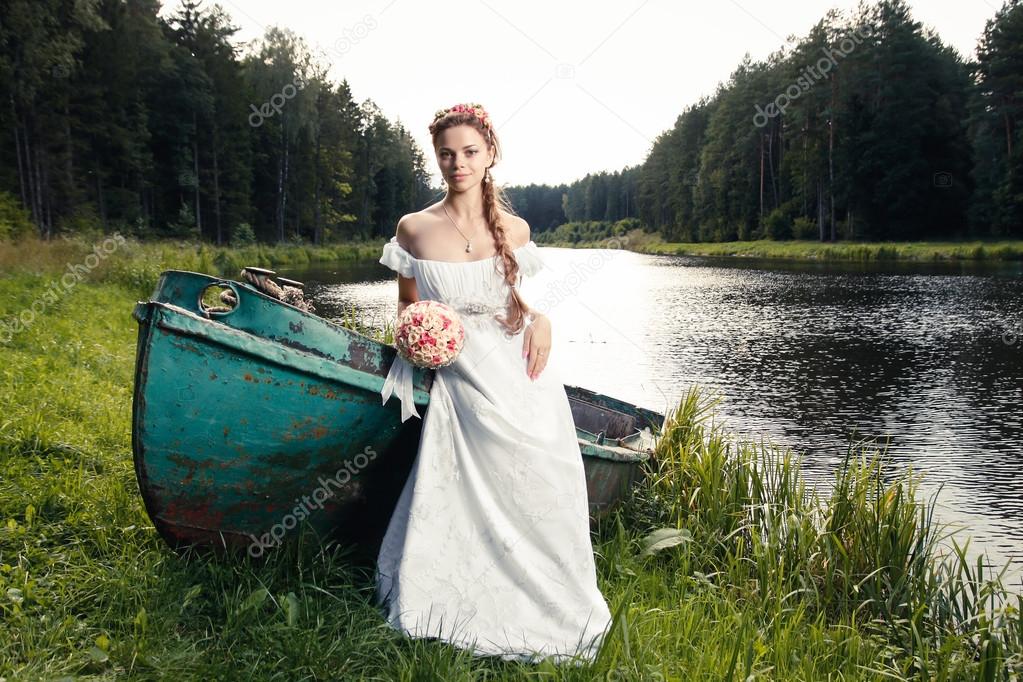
x=925 y=358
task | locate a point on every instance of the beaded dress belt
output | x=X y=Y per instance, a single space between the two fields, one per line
x=478 y=308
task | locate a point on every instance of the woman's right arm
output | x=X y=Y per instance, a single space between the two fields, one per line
x=408 y=293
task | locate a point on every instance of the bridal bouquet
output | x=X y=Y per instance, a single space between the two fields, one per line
x=429 y=334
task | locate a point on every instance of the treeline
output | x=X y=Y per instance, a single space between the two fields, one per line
x=597 y=197
x=867 y=128
x=112 y=116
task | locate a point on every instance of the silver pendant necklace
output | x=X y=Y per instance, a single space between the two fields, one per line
x=468 y=241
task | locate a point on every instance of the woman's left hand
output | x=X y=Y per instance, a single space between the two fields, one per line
x=536 y=343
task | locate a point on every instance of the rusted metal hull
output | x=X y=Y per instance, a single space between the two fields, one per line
x=250 y=423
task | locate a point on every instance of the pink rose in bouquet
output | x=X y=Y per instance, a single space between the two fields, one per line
x=429 y=334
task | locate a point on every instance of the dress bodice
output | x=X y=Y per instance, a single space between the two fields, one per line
x=476 y=290
x=466 y=286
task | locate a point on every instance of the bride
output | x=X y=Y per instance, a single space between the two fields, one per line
x=488 y=548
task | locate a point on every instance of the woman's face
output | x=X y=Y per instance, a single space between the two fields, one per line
x=462 y=155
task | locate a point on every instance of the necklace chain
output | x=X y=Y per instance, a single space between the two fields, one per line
x=468 y=240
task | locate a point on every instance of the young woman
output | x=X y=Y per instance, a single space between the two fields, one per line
x=489 y=545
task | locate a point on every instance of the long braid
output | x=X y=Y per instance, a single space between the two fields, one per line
x=516 y=321
x=493 y=201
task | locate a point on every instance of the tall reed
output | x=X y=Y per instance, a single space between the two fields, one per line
x=866 y=551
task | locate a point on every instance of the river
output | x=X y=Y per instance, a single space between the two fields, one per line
x=926 y=359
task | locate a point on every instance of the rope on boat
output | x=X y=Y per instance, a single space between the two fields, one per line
x=290 y=292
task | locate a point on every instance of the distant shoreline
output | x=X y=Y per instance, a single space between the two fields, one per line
x=814 y=251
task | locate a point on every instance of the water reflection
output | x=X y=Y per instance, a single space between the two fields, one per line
x=809 y=356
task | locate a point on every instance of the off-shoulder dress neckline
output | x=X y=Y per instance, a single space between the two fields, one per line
x=394 y=240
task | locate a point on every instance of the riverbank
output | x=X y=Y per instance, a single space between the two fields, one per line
x=751 y=576
x=810 y=250
x=138 y=264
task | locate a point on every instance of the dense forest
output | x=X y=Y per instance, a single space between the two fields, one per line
x=869 y=127
x=115 y=116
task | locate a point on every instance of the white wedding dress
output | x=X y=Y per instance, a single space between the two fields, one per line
x=489 y=545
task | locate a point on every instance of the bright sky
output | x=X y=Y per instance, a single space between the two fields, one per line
x=573 y=87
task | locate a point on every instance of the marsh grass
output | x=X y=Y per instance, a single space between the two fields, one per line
x=867 y=554
x=351 y=318
x=723 y=565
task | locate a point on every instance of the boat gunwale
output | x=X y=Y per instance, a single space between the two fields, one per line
x=169 y=316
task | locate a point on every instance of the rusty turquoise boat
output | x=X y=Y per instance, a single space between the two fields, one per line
x=254 y=419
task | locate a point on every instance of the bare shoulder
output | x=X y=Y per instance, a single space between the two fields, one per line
x=516 y=228
x=410 y=227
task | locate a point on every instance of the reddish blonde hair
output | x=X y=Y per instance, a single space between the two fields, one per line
x=493 y=200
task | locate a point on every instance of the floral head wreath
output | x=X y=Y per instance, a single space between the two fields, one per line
x=473 y=108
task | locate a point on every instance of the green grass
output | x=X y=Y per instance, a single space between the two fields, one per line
x=755 y=577
x=138 y=264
